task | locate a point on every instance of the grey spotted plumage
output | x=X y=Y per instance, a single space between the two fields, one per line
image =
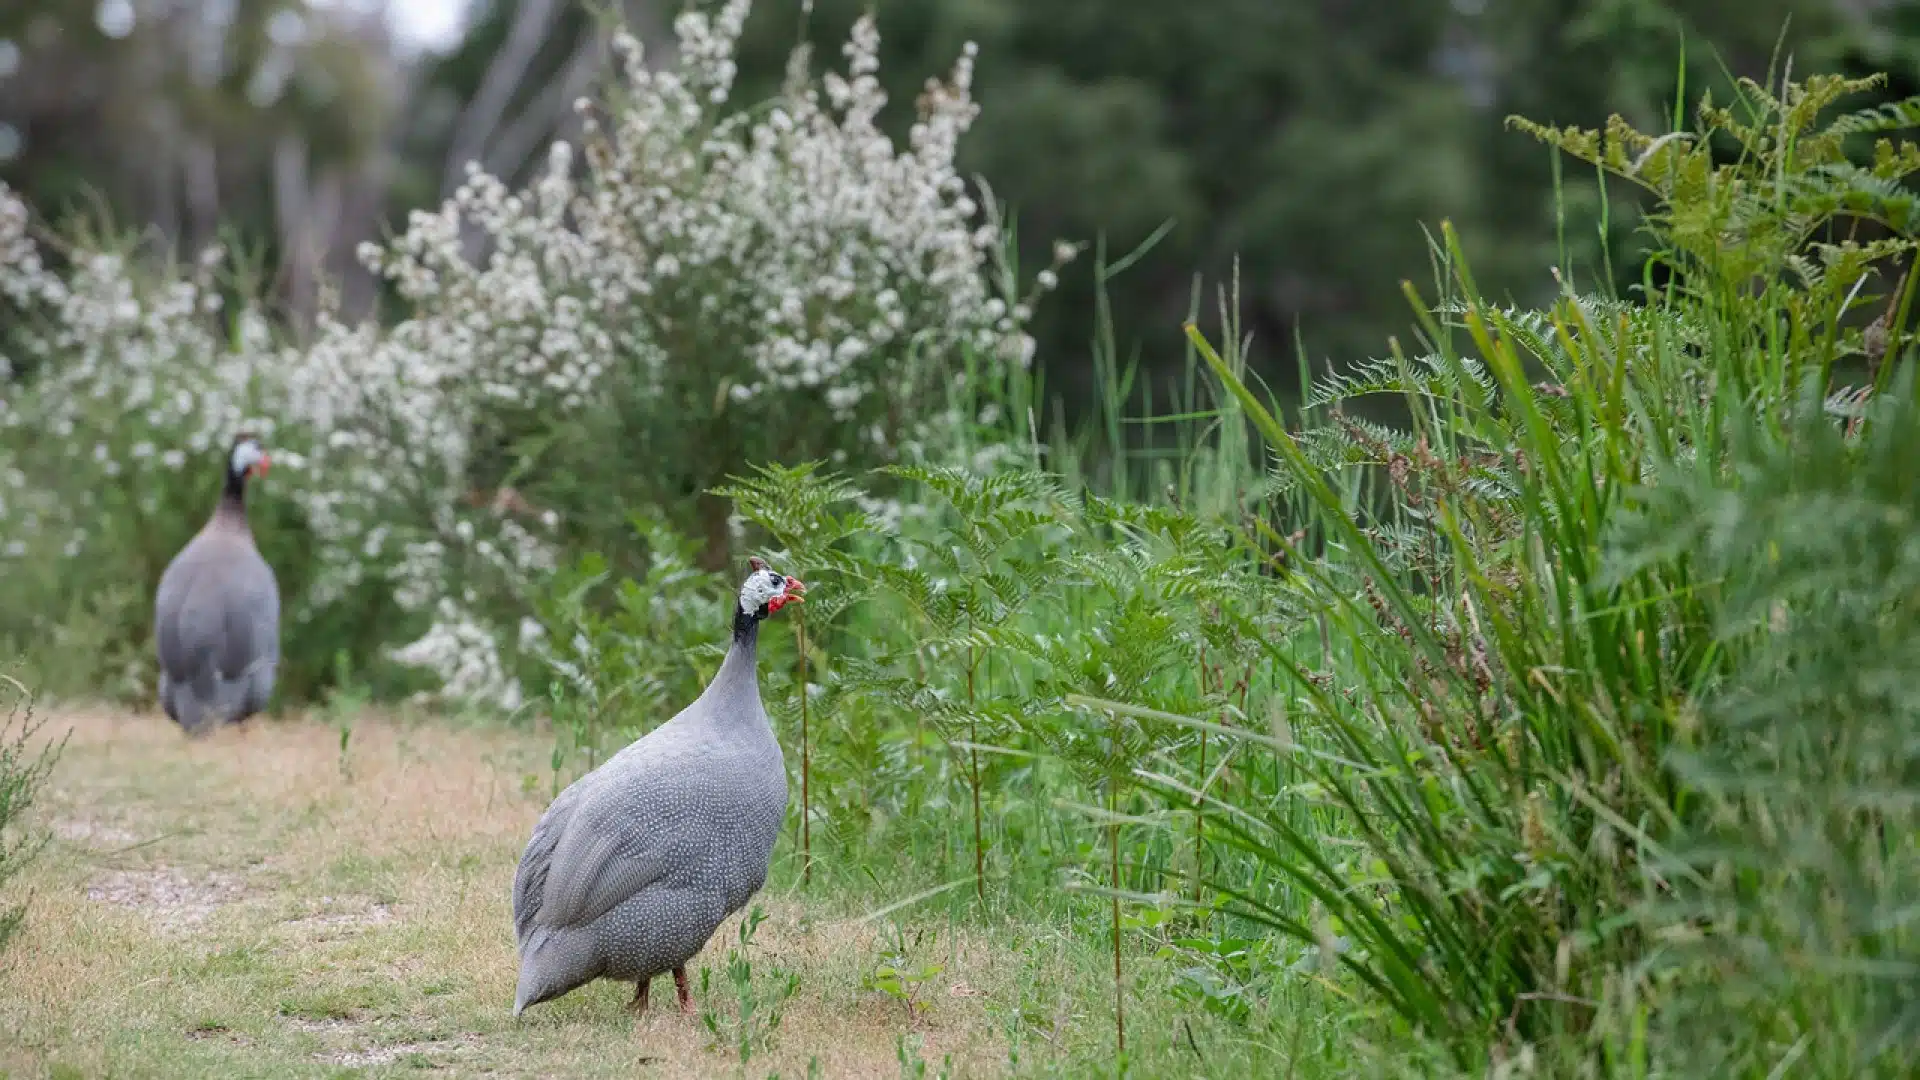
x=636 y=864
x=216 y=615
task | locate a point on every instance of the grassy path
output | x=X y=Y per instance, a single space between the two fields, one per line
x=245 y=906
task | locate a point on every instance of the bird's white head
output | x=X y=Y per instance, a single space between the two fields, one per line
x=247 y=459
x=766 y=591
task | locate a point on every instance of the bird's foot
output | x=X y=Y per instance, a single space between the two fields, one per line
x=680 y=986
x=639 y=1003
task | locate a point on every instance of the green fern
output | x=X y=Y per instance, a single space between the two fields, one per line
x=1426 y=377
x=991 y=561
x=804 y=510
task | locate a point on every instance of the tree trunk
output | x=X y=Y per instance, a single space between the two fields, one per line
x=716 y=550
x=533 y=21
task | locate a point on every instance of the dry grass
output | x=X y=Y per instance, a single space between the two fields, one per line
x=241 y=905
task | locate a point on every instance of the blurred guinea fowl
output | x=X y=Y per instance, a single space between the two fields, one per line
x=216 y=617
x=637 y=863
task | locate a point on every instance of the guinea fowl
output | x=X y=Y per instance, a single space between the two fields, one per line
x=216 y=623
x=635 y=865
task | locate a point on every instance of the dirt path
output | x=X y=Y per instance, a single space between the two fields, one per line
x=245 y=905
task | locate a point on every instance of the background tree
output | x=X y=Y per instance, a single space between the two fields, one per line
x=262 y=119
x=1281 y=133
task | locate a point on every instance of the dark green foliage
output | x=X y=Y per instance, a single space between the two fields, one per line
x=965 y=585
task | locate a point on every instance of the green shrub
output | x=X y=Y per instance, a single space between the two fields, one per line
x=25 y=763
x=621 y=658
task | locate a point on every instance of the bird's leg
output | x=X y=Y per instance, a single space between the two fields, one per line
x=639 y=1002
x=680 y=985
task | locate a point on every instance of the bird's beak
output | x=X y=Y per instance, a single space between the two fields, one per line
x=796 y=590
x=260 y=467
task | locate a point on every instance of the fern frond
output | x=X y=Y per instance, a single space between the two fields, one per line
x=1893 y=116
x=1424 y=376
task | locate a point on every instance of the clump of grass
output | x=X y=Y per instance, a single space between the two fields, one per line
x=25 y=763
x=1789 y=912
x=1505 y=714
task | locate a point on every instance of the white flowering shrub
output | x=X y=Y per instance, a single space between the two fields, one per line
x=694 y=289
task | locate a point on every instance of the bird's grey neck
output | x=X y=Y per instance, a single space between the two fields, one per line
x=234 y=492
x=736 y=676
x=232 y=507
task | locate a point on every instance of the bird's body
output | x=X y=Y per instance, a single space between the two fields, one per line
x=636 y=864
x=217 y=615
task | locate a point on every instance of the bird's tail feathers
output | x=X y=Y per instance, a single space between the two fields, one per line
x=552 y=962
